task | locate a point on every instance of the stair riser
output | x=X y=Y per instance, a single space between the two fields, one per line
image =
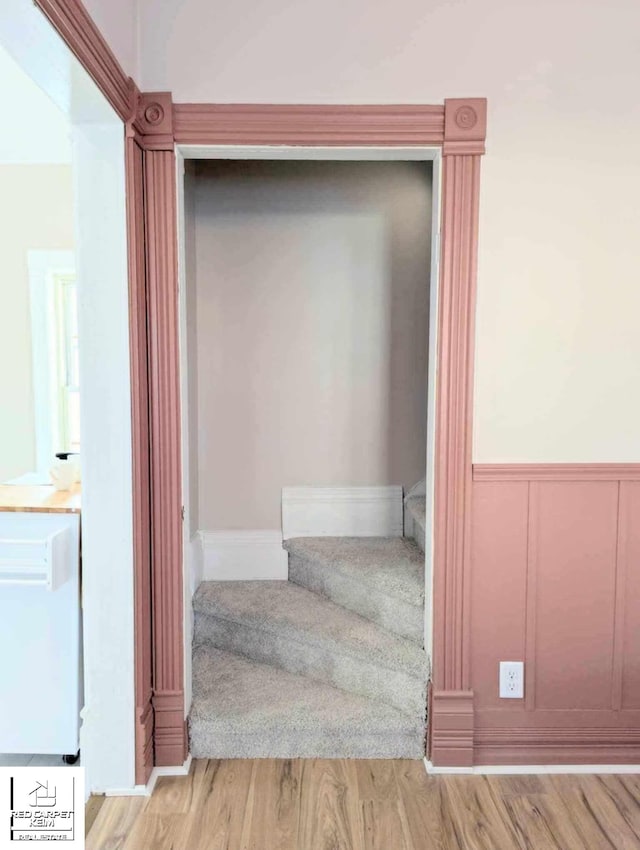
x=393 y=614
x=210 y=743
x=348 y=672
x=419 y=535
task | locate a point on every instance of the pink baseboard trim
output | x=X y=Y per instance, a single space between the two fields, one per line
x=144 y=744
x=556 y=472
x=451 y=724
x=250 y=124
x=170 y=728
x=557 y=746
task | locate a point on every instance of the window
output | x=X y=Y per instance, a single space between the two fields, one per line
x=67 y=377
x=54 y=345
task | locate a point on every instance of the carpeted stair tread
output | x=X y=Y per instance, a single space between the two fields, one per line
x=393 y=565
x=303 y=616
x=381 y=578
x=286 y=626
x=244 y=709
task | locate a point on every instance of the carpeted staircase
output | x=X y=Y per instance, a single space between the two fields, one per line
x=328 y=664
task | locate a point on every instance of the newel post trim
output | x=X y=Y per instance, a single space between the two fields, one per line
x=452 y=702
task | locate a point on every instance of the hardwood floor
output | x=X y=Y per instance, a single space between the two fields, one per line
x=368 y=805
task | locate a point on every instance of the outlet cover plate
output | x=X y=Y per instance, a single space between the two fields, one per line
x=511 y=679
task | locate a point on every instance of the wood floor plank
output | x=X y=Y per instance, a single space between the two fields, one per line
x=114 y=822
x=376 y=779
x=540 y=820
x=520 y=784
x=218 y=806
x=273 y=806
x=380 y=807
x=329 y=806
x=381 y=825
x=625 y=794
x=580 y=812
x=157 y=831
x=631 y=782
x=472 y=818
x=612 y=808
x=172 y=794
x=420 y=806
x=91 y=810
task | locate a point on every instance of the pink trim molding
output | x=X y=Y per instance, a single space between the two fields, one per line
x=451 y=724
x=84 y=39
x=166 y=484
x=249 y=124
x=465 y=126
x=582 y=745
x=154 y=120
x=556 y=472
x=452 y=729
x=141 y=460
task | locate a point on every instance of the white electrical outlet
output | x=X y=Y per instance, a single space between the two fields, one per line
x=511 y=679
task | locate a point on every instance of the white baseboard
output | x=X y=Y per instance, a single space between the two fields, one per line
x=147 y=790
x=342 y=512
x=525 y=769
x=243 y=556
x=193 y=559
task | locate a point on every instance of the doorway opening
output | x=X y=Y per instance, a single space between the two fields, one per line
x=308 y=344
x=66 y=619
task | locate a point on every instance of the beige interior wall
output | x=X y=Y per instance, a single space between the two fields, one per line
x=558 y=295
x=312 y=290
x=36 y=213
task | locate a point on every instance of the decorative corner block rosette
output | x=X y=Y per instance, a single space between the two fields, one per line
x=465 y=125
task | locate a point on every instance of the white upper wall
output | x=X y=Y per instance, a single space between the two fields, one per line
x=117 y=20
x=557 y=342
x=26 y=109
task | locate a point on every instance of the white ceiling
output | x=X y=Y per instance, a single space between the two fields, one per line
x=34 y=130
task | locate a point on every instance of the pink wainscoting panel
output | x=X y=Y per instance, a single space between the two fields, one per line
x=499 y=583
x=556 y=578
x=575 y=566
x=629 y=593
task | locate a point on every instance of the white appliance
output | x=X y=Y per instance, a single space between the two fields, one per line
x=40 y=629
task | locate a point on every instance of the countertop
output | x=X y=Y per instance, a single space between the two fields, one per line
x=45 y=499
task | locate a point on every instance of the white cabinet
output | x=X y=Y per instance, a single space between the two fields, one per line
x=40 y=632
